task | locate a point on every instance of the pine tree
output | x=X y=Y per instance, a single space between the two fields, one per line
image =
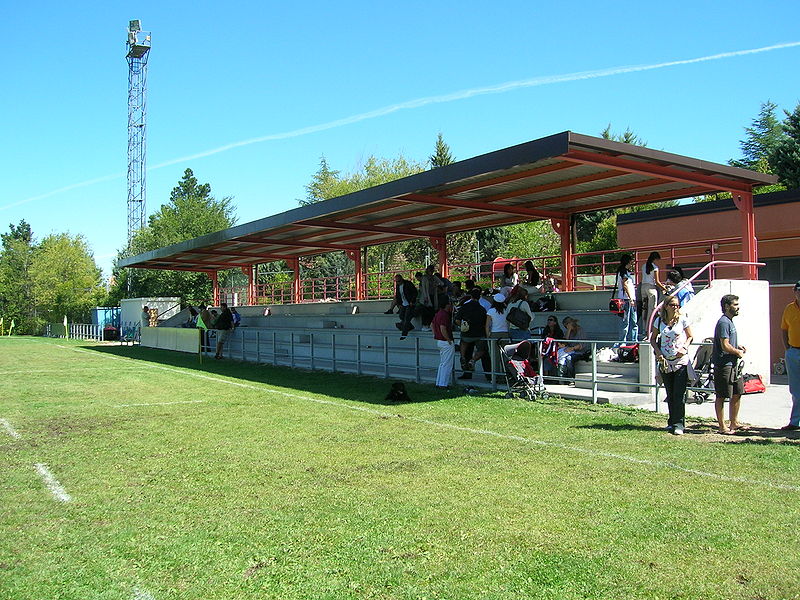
x=442 y=155
x=760 y=140
x=785 y=157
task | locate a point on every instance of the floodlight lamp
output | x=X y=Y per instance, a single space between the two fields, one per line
x=135 y=25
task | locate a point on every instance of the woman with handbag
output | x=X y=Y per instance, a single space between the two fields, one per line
x=670 y=339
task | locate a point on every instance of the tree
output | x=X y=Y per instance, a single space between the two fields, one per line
x=192 y=211
x=17 y=302
x=327 y=183
x=785 y=156
x=534 y=238
x=65 y=279
x=441 y=155
x=760 y=140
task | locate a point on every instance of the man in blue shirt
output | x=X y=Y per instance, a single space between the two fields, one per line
x=727 y=353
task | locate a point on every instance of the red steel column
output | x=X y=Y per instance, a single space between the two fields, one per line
x=744 y=202
x=440 y=245
x=251 y=286
x=214 y=287
x=358 y=269
x=563 y=227
x=294 y=265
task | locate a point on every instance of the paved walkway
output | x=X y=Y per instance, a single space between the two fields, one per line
x=770 y=409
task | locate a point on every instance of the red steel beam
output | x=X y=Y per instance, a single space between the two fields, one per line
x=673 y=174
x=623 y=187
x=645 y=199
x=365 y=228
x=254 y=239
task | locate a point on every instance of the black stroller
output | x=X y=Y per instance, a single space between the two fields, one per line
x=703 y=382
x=522 y=379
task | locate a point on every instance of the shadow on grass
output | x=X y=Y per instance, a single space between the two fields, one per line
x=346 y=386
x=620 y=427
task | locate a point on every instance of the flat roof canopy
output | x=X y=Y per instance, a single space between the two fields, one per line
x=549 y=178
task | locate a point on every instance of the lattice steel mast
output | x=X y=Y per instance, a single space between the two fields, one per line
x=138 y=49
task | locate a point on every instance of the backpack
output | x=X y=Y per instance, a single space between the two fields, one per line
x=628 y=353
x=545 y=304
x=518 y=318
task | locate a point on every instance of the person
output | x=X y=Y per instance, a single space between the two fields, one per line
x=532 y=276
x=571 y=351
x=790 y=328
x=510 y=277
x=442 y=325
x=650 y=286
x=472 y=340
x=224 y=324
x=145 y=321
x=405 y=296
x=552 y=331
x=237 y=318
x=670 y=338
x=625 y=289
x=456 y=293
x=427 y=297
x=549 y=285
x=496 y=324
x=204 y=322
x=520 y=301
x=679 y=288
x=727 y=352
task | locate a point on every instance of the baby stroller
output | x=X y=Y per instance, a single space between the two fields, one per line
x=522 y=378
x=704 y=374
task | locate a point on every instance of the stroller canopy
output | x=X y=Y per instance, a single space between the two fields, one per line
x=519 y=351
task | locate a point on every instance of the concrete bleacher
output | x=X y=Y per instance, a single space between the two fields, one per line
x=357 y=337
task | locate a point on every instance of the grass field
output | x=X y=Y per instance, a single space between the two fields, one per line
x=160 y=478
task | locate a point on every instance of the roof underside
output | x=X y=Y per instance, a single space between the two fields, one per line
x=549 y=178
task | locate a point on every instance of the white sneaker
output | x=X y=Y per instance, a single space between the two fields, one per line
x=677 y=431
x=425 y=329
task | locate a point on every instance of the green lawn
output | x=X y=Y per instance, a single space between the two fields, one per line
x=230 y=480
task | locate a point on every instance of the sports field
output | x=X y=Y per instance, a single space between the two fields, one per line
x=129 y=473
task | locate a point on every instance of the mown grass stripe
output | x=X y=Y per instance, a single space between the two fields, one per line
x=157 y=403
x=9 y=429
x=486 y=432
x=52 y=484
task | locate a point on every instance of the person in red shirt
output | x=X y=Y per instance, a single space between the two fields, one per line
x=442 y=326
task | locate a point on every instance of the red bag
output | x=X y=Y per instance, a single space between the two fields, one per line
x=615 y=306
x=753 y=384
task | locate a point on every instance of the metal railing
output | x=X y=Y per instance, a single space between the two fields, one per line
x=75 y=331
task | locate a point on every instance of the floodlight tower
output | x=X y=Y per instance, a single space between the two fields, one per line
x=138 y=49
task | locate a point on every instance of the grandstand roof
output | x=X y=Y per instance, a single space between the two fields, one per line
x=549 y=178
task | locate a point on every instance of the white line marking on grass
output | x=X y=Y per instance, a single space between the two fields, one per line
x=52 y=484
x=140 y=594
x=487 y=432
x=157 y=403
x=7 y=426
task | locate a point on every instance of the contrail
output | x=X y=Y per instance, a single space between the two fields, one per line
x=420 y=102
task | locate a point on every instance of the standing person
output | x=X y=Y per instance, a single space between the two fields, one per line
x=443 y=334
x=497 y=325
x=428 y=297
x=237 y=318
x=224 y=324
x=405 y=296
x=790 y=326
x=650 y=287
x=670 y=339
x=520 y=301
x=625 y=289
x=472 y=313
x=145 y=322
x=727 y=353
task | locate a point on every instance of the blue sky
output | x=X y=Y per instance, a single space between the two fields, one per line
x=225 y=73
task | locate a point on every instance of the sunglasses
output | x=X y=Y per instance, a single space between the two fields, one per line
x=673 y=305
